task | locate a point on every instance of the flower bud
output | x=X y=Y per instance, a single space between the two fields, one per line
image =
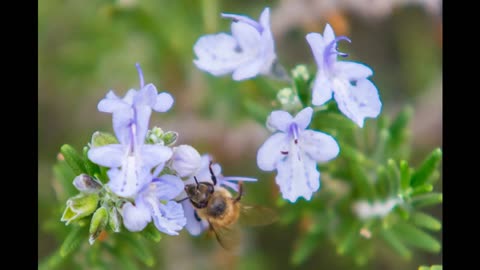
x=154 y=136
x=114 y=219
x=80 y=206
x=169 y=138
x=102 y=138
x=86 y=184
x=185 y=160
x=97 y=224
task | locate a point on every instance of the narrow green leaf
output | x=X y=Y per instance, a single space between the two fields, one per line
x=410 y=234
x=383 y=185
x=426 y=188
x=51 y=262
x=427 y=199
x=72 y=241
x=151 y=233
x=351 y=236
x=73 y=159
x=141 y=251
x=429 y=165
x=362 y=182
x=64 y=175
x=405 y=174
x=393 y=173
x=398 y=127
x=426 y=221
x=91 y=167
x=305 y=246
x=433 y=267
x=396 y=244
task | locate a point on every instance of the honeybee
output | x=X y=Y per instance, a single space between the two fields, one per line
x=224 y=212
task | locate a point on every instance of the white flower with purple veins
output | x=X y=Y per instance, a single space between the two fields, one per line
x=249 y=51
x=169 y=218
x=356 y=96
x=294 y=152
x=195 y=225
x=131 y=161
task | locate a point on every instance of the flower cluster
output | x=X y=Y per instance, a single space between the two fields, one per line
x=146 y=173
x=135 y=166
x=293 y=151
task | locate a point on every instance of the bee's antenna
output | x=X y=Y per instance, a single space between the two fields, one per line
x=214 y=179
x=182 y=199
x=196 y=181
x=240 y=191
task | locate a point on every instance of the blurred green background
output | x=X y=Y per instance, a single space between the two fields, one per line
x=86 y=48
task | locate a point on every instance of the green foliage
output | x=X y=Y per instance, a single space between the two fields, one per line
x=371 y=172
x=95 y=217
x=433 y=267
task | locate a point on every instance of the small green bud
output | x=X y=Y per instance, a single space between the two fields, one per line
x=80 y=206
x=300 y=72
x=114 y=219
x=98 y=223
x=102 y=138
x=169 y=138
x=87 y=184
x=289 y=99
x=154 y=136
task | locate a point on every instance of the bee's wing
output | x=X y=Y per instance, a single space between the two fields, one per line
x=228 y=237
x=255 y=215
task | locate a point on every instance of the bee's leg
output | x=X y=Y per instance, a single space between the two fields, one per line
x=240 y=191
x=214 y=179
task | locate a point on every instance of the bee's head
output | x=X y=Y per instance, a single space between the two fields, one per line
x=199 y=193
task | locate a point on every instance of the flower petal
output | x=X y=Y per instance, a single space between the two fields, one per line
x=359 y=101
x=195 y=225
x=265 y=18
x=163 y=102
x=328 y=34
x=303 y=118
x=270 y=152
x=169 y=218
x=186 y=160
x=243 y=19
x=319 y=146
x=248 y=69
x=142 y=118
x=152 y=155
x=315 y=40
x=247 y=36
x=297 y=176
x=135 y=218
x=111 y=103
x=108 y=156
x=122 y=119
x=352 y=71
x=279 y=120
x=146 y=96
x=166 y=187
x=218 y=54
x=130 y=179
x=322 y=90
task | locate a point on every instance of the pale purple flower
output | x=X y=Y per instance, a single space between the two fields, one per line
x=168 y=218
x=294 y=152
x=185 y=160
x=195 y=225
x=131 y=161
x=356 y=96
x=247 y=52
